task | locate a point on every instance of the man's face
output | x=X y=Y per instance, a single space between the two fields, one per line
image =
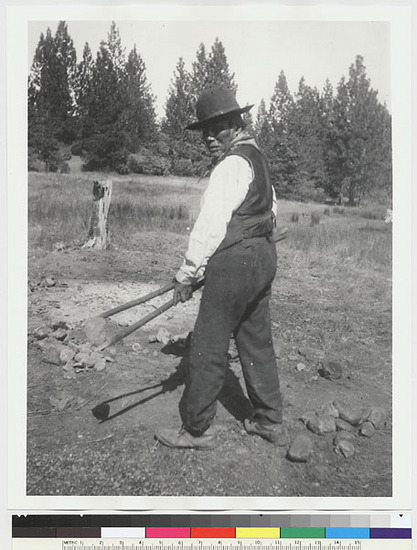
x=217 y=136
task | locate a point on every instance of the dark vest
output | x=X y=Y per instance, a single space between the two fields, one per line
x=254 y=217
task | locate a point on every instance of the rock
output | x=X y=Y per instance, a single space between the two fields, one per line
x=312 y=355
x=331 y=370
x=67 y=354
x=328 y=409
x=367 y=429
x=61 y=324
x=64 y=403
x=345 y=448
x=322 y=425
x=48 y=282
x=348 y=412
x=95 y=356
x=152 y=338
x=111 y=350
x=300 y=367
x=343 y=425
x=96 y=330
x=42 y=332
x=100 y=364
x=155 y=353
x=69 y=366
x=54 y=401
x=300 y=449
x=377 y=417
x=293 y=357
x=52 y=355
x=307 y=416
x=163 y=336
x=343 y=436
x=59 y=334
x=58 y=247
x=83 y=358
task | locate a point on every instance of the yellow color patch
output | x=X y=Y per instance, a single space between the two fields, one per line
x=258 y=532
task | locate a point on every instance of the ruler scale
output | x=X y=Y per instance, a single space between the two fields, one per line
x=218 y=532
x=277 y=544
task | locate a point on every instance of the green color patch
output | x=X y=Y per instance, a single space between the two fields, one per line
x=303 y=533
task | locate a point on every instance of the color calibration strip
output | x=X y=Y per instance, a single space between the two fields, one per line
x=259 y=527
x=213 y=533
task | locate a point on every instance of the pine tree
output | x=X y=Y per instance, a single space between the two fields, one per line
x=108 y=82
x=218 y=73
x=262 y=127
x=281 y=156
x=83 y=93
x=305 y=138
x=281 y=104
x=107 y=146
x=199 y=74
x=327 y=135
x=187 y=153
x=138 y=118
x=357 y=163
x=62 y=91
x=179 y=105
x=43 y=127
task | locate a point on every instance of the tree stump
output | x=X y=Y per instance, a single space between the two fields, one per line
x=98 y=234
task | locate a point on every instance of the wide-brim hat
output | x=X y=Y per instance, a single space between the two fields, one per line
x=215 y=103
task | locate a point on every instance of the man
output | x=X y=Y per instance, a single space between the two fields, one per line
x=231 y=247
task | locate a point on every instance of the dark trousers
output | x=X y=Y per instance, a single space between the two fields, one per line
x=235 y=300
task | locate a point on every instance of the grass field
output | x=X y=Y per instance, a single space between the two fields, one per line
x=60 y=207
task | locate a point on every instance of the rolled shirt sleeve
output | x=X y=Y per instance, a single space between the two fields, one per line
x=227 y=189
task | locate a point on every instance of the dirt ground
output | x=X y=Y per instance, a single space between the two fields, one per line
x=72 y=452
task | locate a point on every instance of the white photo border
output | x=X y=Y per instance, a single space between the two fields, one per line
x=400 y=19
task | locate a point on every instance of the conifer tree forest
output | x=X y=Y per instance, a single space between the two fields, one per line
x=320 y=144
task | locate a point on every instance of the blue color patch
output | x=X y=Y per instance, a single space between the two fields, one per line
x=347 y=533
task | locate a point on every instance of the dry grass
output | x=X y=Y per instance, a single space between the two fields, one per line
x=60 y=206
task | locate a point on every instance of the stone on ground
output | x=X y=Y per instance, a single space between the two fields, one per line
x=95 y=330
x=163 y=336
x=348 y=412
x=328 y=409
x=42 y=332
x=100 y=364
x=367 y=429
x=343 y=425
x=52 y=355
x=59 y=334
x=322 y=425
x=300 y=449
x=345 y=448
x=67 y=354
x=343 y=436
x=307 y=416
x=377 y=417
x=332 y=370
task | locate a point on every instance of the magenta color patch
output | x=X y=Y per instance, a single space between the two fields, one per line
x=168 y=532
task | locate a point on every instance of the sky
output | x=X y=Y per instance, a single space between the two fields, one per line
x=256 y=51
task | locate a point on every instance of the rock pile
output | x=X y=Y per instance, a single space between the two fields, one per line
x=61 y=349
x=342 y=419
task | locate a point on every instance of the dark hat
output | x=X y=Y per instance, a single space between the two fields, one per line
x=215 y=103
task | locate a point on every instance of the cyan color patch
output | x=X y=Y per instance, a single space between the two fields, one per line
x=347 y=533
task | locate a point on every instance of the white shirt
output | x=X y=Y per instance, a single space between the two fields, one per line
x=226 y=190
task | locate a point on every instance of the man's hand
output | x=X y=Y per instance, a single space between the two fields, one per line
x=182 y=293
